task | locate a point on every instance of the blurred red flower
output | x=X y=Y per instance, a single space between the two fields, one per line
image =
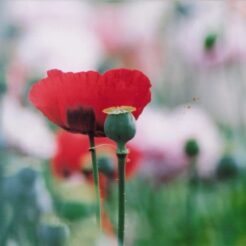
x=72 y=156
x=75 y=101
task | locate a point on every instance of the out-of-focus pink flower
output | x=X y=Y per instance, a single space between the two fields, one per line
x=162 y=137
x=16 y=78
x=26 y=130
x=239 y=6
x=156 y=138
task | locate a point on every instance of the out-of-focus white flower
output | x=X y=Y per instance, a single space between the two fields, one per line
x=153 y=130
x=194 y=123
x=227 y=29
x=53 y=46
x=130 y=35
x=124 y=25
x=29 y=13
x=26 y=130
x=162 y=136
x=56 y=35
x=155 y=136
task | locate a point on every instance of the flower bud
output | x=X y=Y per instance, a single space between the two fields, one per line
x=120 y=124
x=106 y=166
x=227 y=168
x=210 y=41
x=191 y=148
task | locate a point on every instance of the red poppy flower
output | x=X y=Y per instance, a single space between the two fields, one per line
x=72 y=155
x=75 y=101
x=67 y=159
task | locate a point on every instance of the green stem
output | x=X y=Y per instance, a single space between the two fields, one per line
x=190 y=201
x=96 y=178
x=10 y=226
x=121 y=154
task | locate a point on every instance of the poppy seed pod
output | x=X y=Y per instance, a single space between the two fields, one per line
x=120 y=127
x=227 y=168
x=210 y=41
x=106 y=166
x=192 y=148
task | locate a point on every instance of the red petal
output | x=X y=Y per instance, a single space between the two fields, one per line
x=133 y=161
x=124 y=87
x=70 y=148
x=60 y=91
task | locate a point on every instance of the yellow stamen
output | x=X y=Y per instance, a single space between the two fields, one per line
x=119 y=110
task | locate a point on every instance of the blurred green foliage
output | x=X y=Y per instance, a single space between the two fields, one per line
x=207 y=212
x=184 y=213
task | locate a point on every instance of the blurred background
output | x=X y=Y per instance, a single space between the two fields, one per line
x=186 y=180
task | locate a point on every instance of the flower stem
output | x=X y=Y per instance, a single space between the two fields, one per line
x=121 y=154
x=191 y=201
x=96 y=178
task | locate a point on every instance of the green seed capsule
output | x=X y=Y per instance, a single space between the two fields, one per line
x=192 y=148
x=120 y=127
